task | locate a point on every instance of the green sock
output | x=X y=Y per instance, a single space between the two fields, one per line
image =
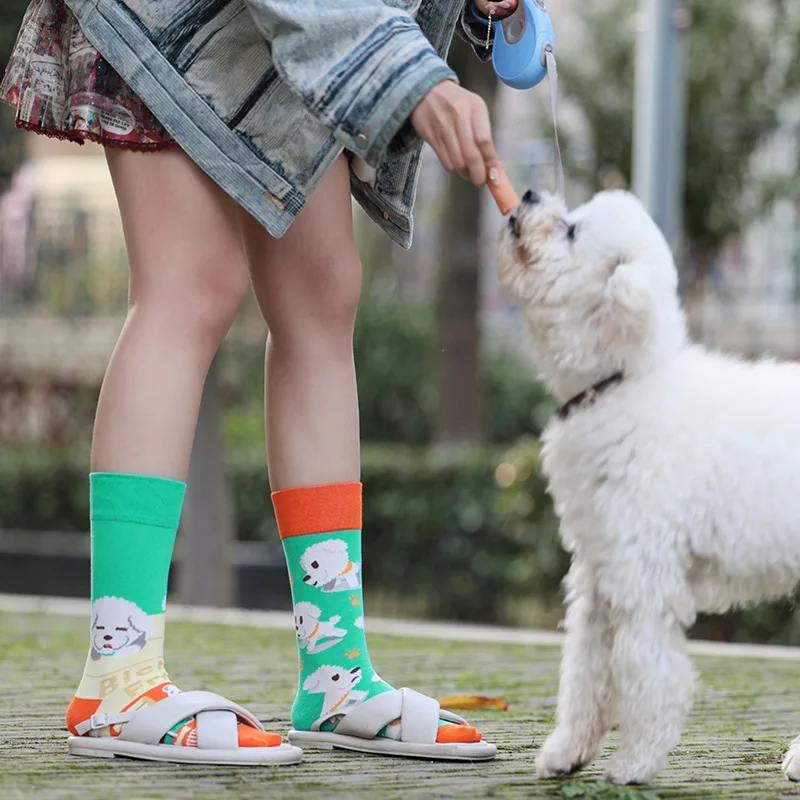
x=335 y=671
x=134 y=520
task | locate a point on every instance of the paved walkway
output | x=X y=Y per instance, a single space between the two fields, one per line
x=747 y=708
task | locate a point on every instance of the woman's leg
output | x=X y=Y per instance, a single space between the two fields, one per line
x=308 y=284
x=188 y=277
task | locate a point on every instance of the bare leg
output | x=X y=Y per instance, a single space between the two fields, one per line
x=308 y=285
x=586 y=688
x=188 y=277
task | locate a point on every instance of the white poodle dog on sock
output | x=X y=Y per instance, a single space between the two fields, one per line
x=119 y=628
x=328 y=567
x=313 y=634
x=337 y=684
x=675 y=473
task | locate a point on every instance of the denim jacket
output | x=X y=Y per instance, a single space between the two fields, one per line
x=264 y=95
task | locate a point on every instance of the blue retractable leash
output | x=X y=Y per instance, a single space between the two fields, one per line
x=524 y=53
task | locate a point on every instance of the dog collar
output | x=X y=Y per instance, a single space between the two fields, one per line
x=346 y=569
x=311 y=635
x=334 y=707
x=588 y=396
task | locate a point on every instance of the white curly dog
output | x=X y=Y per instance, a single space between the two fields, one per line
x=328 y=567
x=675 y=473
x=337 y=685
x=119 y=628
x=313 y=634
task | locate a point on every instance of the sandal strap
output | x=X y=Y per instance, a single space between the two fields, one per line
x=419 y=716
x=98 y=721
x=217 y=720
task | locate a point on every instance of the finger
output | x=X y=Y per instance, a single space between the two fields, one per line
x=482 y=132
x=474 y=165
x=498 y=10
x=455 y=155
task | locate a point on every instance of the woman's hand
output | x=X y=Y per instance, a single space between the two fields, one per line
x=455 y=123
x=499 y=10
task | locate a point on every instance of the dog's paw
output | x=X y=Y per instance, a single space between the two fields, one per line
x=791 y=761
x=624 y=771
x=562 y=754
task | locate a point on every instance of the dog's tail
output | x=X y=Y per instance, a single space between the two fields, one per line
x=335 y=620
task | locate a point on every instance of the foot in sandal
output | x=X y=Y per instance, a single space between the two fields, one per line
x=126 y=704
x=341 y=700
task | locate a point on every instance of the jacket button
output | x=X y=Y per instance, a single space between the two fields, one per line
x=386 y=215
x=361 y=141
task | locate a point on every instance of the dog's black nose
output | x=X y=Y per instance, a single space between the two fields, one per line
x=531 y=198
x=108 y=638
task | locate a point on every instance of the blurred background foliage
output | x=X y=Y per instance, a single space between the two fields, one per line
x=457 y=518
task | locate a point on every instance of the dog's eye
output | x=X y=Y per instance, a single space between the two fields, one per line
x=100 y=627
x=571 y=230
x=335 y=677
x=301 y=620
x=122 y=629
x=314 y=565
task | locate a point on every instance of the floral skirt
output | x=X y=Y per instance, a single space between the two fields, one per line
x=62 y=87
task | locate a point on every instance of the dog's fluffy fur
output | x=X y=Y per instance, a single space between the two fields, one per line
x=676 y=489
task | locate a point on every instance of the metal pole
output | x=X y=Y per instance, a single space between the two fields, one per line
x=659 y=112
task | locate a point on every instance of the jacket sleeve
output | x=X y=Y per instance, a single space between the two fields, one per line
x=473 y=31
x=359 y=66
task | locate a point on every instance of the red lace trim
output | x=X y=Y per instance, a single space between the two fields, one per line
x=81 y=137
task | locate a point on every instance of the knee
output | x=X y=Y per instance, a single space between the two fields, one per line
x=320 y=308
x=200 y=303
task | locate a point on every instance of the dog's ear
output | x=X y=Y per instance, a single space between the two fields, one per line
x=630 y=307
x=311 y=682
x=144 y=627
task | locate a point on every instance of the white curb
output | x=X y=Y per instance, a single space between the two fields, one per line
x=413 y=629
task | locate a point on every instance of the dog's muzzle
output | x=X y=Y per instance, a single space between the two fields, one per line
x=530 y=198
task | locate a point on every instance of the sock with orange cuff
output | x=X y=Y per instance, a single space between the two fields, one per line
x=320 y=527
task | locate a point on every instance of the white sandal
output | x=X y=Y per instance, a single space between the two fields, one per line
x=217 y=734
x=419 y=717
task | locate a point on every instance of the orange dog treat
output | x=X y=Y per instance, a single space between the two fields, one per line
x=501 y=189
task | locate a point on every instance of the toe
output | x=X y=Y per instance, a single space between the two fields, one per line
x=250 y=737
x=458 y=734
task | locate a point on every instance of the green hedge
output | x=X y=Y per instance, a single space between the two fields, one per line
x=441 y=534
x=468 y=536
x=394 y=354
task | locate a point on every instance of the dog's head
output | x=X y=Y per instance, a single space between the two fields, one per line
x=117 y=625
x=306 y=617
x=332 y=679
x=597 y=287
x=323 y=561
